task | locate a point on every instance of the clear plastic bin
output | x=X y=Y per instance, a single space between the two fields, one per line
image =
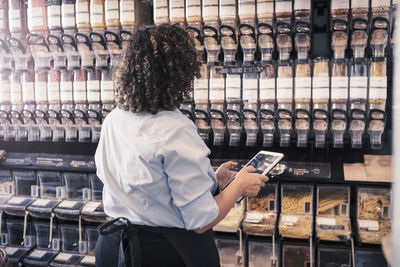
x=42 y=207
x=92 y=235
x=296 y=256
x=261 y=254
x=333 y=223
x=93 y=211
x=329 y=257
x=76 y=184
x=7 y=187
x=296 y=220
x=24 y=180
x=70 y=238
x=16 y=249
x=42 y=229
x=229 y=252
x=374 y=214
x=261 y=212
x=370 y=258
x=15 y=254
x=231 y=222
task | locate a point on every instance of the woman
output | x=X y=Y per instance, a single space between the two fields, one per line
x=154 y=165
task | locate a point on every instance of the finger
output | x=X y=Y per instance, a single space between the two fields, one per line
x=249 y=169
x=265 y=178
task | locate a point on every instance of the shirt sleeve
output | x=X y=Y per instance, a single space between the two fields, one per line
x=190 y=177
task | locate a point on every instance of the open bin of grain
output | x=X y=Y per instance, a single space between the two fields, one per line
x=296 y=218
x=373 y=214
x=261 y=212
x=333 y=222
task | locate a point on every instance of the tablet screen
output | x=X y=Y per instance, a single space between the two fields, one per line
x=263 y=162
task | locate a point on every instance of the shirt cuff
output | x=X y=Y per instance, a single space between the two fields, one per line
x=200 y=212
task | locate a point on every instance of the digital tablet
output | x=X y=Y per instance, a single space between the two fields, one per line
x=263 y=162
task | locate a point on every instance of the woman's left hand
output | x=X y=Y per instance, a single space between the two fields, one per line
x=224 y=174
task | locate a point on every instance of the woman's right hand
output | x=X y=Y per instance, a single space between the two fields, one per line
x=250 y=182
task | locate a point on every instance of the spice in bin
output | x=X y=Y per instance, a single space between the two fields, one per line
x=333 y=229
x=54 y=14
x=97 y=15
x=37 y=16
x=4 y=16
x=320 y=81
x=295 y=226
x=263 y=6
x=267 y=84
x=68 y=15
x=378 y=82
x=113 y=13
x=297 y=202
x=82 y=8
x=127 y=13
x=231 y=222
x=193 y=11
x=177 y=11
x=17 y=16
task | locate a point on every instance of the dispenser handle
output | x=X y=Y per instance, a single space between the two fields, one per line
x=353 y=21
x=112 y=37
x=373 y=28
x=251 y=111
x=233 y=35
x=198 y=37
x=81 y=38
x=215 y=36
x=341 y=112
x=339 y=21
x=5 y=115
x=360 y=111
x=220 y=113
x=43 y=114
x=304 y=24
x=302 y=110
x=282 y=24
x=259 y=25
x=375 y=110
x=322 y=111
x=206 y=116
x=124 y=35
x=55 y=42
x=253 y=35
x=97 y=38
x=16 y=44
x=285 y=111
x=231 y=111
x=267 y=112
x=68 y=41
x=16 y=114
x=69 y=114
x=34 y=39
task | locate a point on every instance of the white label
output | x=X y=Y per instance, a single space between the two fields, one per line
x=177 y=8
x=303 y=87
x=210 y=8
x=36 y=17
x=93 y=91
x=38 y=253
x=88 y=260
x=339 y=87
x=302 y=4
x=96 y=14
x=233 y=87
x=15 y=19
x=16 y=93
x=63 y=256
x=320 y=87
x=217 y=94
x=289 y=220
x=28 y=92
x=67 y=204
x=265 y=6
x=41 y=202
x=112 y=11
x=66 y=91
x=107 y=91
x=82 y=13
x=326 y=221
x=10 y=250
x=160 y=9
x=16 y=200
x=217 y=89
x=359 y=3
x=267 y=89
x=54 y=15
x=127 y=12
x=377 y=87
x=193 y=8
x=53 y=91
x=41 y=91
x=254 y=217
x=91 y=206
x=227 y=9
x=217 y=83
x=358 y=87
x=247 y=8
x=68 y=15
x=340 y=4
x=283 y=6
x=250 y=89
x=79 y=91
x=370 y=225
x=284 y=88
x=379 y=3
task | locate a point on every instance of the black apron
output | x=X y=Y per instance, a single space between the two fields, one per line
x=195 y=250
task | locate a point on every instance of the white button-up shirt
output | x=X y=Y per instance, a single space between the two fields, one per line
x=155 y=170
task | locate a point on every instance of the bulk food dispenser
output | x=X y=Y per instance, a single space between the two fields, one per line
x=92 y=235
x=230 y=252
x=19 y=240
x=5 y=100
x=247 y=30
x=93 y=211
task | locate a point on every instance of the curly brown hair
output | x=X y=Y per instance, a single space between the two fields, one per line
x=157 y=69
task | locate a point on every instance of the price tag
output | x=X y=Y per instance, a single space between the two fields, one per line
x=16 y=200
x=267 y=89
x=193 y=8
x=41 y=91
x=41 y=202
x=339 y=88
x=107 y=91
x=284 y=88
x=66 y=91
x=80 y=91
x=63 y=257
x=250 y=89
x=88 y=261
x=217 y=94
x=340 y=4
x=254 y=217
x=358 y=87
x=303 y=88
x=326 y=221
x=38 y=253
x=283 y=6
x=68 y=204
x=377 y=87
x=320 y=87
x=93 y=91
x=28 y=92
x=302 y=4
x=210 y=8
x=233 y=87
x=11 y=250
x=217 y=89
x=53 y=91
x=54 y=15
x=289 y=220
x=91 y=206
x=369 y=225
